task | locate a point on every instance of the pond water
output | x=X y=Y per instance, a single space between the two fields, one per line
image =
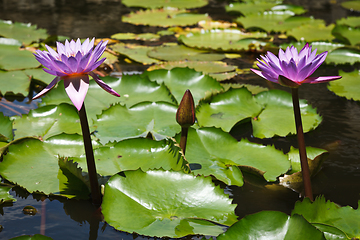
x=339 y=133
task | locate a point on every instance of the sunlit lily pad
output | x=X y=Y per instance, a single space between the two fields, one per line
x=142 y=36
x=39 y=74
x=14 y=82
x=328 y=213
x=5 y=195
x=137 y=53
x=217 y=39
x=306 y=32
x=352 y=5
x=23 y=32
x=165 y=3
x=118 y=122
x=184 y=204
x=164 y=17
x=343 y=55
x=207 y=158
x=180 y=52
x=6 y=133
x=13 y=58
x=277 y=117
x=254 y=89
x=47 y=121
x=348 y=35
x=350 y=21
x=247 y=8
x=272 y=225
x=348 y=87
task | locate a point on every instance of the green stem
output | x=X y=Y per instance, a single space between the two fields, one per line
x=302 y=148
x=183 y=139
x=94 y=185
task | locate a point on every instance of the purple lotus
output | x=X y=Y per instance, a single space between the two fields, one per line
x=73 y=63
x=292 y=69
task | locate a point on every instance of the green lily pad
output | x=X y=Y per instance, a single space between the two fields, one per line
x=247 y=8
x=352 y=5
x=272 y=225
x=132 y=154
x=137 y=53
x=178 y=80
x=217 y=39
x=165 y=3
x=25 y=33
x=305 y=32
x=183 y=53
x=216 y=69
x=184 y=204
x=343 y=55
x=254 y=89
x=40 y=75
x=47 y=121
x=6 y=133
x=348 y=35
x=13 y=58
x=320 y=46
x=32 y=237
x=325 y=212
x=166 y=17
x=277 y=117
x=348 y=86
x=118 y=122
x=14 y=82
x=350 y=21
x=330 y=232
x=206 y=158
x=142 y=36
x=226 y=109
x=33 y=165
x=5 y=195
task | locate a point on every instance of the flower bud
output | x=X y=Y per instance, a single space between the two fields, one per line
x=185 y=115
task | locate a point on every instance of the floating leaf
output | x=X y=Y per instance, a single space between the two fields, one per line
x=350 y=21
x=143 y=36
x=13 y=58
x=33 y=165
x=247 y=8
x=118 y=122
x=207 y=158
x=227 y=39
x=352 y=5
x=181 y=52
x=272 y=225
x=137 y=53
x=165 y=3
x=47 y=121
x=343 y=55
x=178 y=80
x=348 y=35
x=268 y=21
x=33 y=237
x=305 y=32
x=5 y=195
x=40 y=75
x=254 y=89
x=348 y=87
x=14 y=82
x=184 y=204
x=325 y=212
x=164 y=17
x=226 y=109
x=25 y=33
x=132 y=154
x=277 y=118
x=6 y=133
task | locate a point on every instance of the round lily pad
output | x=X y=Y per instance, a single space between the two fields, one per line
x=14 y=82
x=352 y=5
x=184 y=204
x=165 y=3
x=135 y=52
x=343 y=55
x=305 y=32
x=13 y=58
x=348 y=35
x=348 y=86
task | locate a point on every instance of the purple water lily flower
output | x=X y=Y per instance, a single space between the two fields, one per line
x=73 y=63
x=292 y=69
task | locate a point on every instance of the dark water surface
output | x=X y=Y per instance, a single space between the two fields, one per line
x=339 y=132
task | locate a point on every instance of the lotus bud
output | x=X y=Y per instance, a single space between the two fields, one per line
x=185 y=115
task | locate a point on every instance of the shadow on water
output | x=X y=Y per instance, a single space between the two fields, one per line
x=339 y=133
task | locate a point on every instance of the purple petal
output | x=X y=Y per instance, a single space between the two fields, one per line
x=62 y=66
x=87 y=48
x=48 y=87
x=60 y=48
x=104 y=85
x=304 y=72
x=72 y=47
x=321 y=79
x=52 y=51
x=292 y=70
x=94 y=65
x=77 y=45
x=76 y=88
x=260 y=73
x=72 y=64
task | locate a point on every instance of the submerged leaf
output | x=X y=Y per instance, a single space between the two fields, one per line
x=184 y=204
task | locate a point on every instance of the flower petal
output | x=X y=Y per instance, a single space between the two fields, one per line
x=76 y=88
x=321 y=79
x=48 y=88
x=104 y=85
x=267 y=77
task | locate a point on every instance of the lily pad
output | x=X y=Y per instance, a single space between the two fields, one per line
x=305 y=32
x=348 y=87
x=277 y=117
x=217 y=39
x=14 y=82
x=207 y=158
x=247 y=8
x=23 y=32
x=328 y=213
x=352 y=5
x=5 y=195
x=350 y=21
x=47 y=121
x=40 y=75
x=137 y=53
x=6 y=133
x=32 y=237
x=13 y=58
x=118 y=122
x=165 y=3
x=272 y=225
x=343 y=55
x=166 y=17
x=184 y=204
x=142 y=36
x=348 y=35
x=183 y=53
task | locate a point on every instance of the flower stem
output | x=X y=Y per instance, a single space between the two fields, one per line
x=301 y=142
x=94 y=185
x=183 y=139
